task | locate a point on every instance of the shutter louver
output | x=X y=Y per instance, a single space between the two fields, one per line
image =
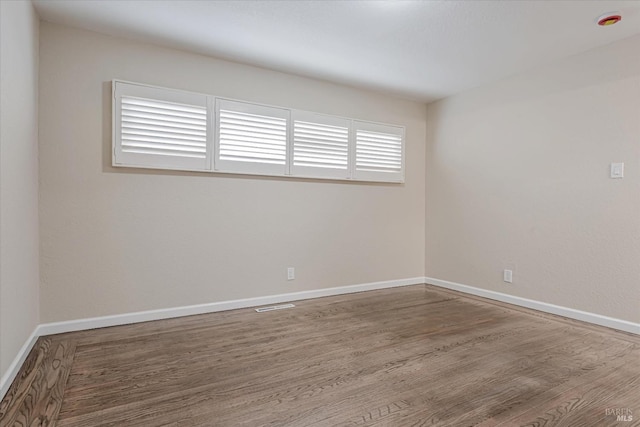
x=320 y=145
x=379 y=152
x=163 y=128
x=251 y=138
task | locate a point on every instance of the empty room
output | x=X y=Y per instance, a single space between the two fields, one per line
x=319 y=213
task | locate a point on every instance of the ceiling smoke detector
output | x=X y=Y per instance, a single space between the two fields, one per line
x=609 y=19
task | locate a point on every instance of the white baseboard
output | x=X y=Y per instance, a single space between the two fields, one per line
x=167 y=313
x=18 y=361
x=610 y=322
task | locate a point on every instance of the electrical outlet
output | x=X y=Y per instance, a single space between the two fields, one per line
x=508 y=276
x=291 y=273
x=617 y=170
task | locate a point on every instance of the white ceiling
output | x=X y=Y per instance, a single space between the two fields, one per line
x=423 y=50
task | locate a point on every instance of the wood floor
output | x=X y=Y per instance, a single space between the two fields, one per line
x=411 y=356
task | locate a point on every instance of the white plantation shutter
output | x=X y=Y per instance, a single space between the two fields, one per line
x=320 y=145
x=379 y=152
x=251 y=138
x=160 y=128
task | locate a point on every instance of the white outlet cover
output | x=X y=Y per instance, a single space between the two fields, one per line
x=508 y=276
x=617 y=170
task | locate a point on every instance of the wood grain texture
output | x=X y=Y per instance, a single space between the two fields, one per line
x=36 y=398
x=411 y=356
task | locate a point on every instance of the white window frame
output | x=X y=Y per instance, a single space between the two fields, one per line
x=154 y=161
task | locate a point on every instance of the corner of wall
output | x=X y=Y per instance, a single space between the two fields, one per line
x=19 y=217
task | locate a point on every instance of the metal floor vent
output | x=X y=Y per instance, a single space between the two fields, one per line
x=274 y=307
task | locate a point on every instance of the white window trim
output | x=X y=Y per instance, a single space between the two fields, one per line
x=213 y=164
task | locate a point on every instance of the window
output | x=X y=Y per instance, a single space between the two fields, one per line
x=320 y=145
x=171 y=129
x=379 y=152
x=251 y=138
x=160 y=128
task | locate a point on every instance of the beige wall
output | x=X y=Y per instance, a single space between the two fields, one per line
x=119 y=240
x=518 y=174
x=19 y=277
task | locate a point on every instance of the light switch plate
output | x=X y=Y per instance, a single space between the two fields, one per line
x=617 y=170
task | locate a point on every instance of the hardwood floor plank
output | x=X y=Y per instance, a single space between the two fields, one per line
x=586 y=404
x=20 y=387
x=41 y=403
x=407 y=356
x=589 y=375
x=276 y=366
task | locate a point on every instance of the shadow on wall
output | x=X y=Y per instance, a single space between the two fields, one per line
x=597 y=66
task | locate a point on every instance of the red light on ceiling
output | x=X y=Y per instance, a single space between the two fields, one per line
x=607 y=20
